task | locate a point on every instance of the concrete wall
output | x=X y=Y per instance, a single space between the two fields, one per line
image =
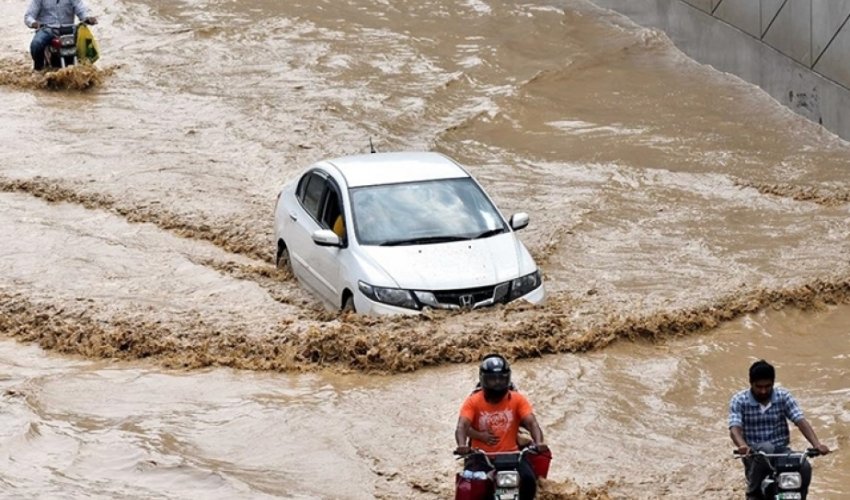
x=797 y=50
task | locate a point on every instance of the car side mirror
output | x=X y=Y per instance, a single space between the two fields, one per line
x=519 y=220
x=326 y=238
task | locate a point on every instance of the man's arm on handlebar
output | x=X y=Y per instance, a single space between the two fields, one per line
x=462 y=436
x=31 y=14
x=530 y=423
x=810 y=435
x=737 y=435
x=82 y=11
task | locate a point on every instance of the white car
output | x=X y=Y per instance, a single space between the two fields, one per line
x=390 y=233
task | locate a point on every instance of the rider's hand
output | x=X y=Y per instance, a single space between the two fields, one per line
x=90 y=20
x=823 y=449
x=487 y=437
x=463 y=450
x=36 y=25
x=542 y=448
x=743 y=450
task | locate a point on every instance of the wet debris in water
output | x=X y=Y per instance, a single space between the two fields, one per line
x=78 y=77
x=19 y=74
x=568 y=490
x=346 y=342
x=234 y=236
x=826 y=196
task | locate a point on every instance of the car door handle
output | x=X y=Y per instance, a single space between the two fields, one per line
x=293 y=216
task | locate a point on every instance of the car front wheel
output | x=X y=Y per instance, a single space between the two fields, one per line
x=282 y=258
x=348 y=305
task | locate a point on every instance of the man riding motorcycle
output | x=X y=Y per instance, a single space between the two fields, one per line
x=44 y=13
x=757 y=422
x=490 y=418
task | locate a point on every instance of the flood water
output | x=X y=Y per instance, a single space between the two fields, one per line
x=685 y=222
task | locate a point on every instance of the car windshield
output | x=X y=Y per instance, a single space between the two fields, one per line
x=423 y=212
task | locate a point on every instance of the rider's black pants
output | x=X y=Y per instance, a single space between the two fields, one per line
x=527 y=480
x=756 y=469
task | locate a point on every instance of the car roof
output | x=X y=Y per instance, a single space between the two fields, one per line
x=393 y=168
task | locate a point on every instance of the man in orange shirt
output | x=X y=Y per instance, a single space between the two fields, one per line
x=491 y=417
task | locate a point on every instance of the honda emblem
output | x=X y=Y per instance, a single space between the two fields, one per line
x=466 y=301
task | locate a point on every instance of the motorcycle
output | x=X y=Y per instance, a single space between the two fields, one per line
x=784 y=482
x=68 y=44
x=502 y=481
x=61 y=52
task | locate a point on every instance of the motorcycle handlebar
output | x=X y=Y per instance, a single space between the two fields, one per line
x=59 y=26
x=477 y=451
x=810 y=452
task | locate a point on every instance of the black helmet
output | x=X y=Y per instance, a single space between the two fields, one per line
x=494 y=374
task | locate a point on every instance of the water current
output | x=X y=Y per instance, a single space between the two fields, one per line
x=686 y=224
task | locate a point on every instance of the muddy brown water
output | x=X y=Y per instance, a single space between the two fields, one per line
x=685 y=222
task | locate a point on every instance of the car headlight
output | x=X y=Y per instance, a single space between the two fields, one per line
x=392 y=296
x=524 y=284
x=507 y=479
x=427 y=298
x=790 y=481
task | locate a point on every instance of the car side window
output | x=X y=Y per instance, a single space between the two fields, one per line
x=302 y=186
x=332 y=217
x=313 y=194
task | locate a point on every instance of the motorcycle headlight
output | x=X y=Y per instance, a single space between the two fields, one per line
x=790 y=480
x=524 y=284
x=507 y=479
x=392 y=296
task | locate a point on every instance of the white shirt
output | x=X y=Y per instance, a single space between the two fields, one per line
x=55 y=12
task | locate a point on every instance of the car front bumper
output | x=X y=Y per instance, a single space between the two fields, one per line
x=365 y=305
x=535 y=296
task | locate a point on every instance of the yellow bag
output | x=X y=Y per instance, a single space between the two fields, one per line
x=87 y=49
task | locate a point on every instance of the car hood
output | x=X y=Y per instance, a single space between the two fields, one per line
x=450 y=266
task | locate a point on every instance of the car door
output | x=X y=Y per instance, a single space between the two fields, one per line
x=304 y=220
x=327 y=263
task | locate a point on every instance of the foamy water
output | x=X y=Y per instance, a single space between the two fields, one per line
x=668 y=202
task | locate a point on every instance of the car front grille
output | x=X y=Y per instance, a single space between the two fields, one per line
x=474 y=297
